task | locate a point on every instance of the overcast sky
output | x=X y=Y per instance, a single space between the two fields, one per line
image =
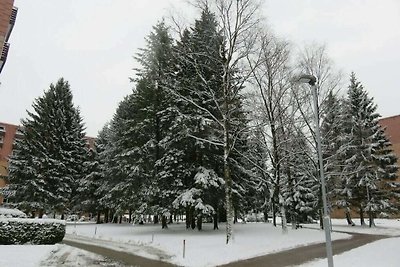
x=91 y=43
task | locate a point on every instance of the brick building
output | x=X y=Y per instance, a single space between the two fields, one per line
x=8 y=15
x=392 y=130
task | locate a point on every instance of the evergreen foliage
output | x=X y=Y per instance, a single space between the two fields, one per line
x=48 y=162
x=368 y=158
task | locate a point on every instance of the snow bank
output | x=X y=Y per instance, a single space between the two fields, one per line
x=11 y=213
x=24 y=255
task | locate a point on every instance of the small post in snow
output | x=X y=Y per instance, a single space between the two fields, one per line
x=152 y=238
x=184 y=247
x=95 y=230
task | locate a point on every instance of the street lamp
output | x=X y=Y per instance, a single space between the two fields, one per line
x=312 y=80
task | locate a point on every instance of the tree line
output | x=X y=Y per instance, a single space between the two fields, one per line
x=214 y=128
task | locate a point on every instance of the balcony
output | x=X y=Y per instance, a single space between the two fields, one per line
x=2 y=130
x=19 y=133
x=3 y=56
x=13 y=18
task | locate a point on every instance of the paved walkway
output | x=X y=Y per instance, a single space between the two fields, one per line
x=290 y=257
x=304 y=254
x=124 y=257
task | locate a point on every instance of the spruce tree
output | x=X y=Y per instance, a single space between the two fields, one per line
x=157 y=122
x=48 y=161
x=368 y=159
x=197 y=91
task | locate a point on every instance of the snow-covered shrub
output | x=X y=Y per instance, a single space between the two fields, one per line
x=254 y=217
x=11 y=213
x=33 y=231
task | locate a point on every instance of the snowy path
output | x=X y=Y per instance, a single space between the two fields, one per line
x=295 y=256
x=125 y=257
x=301 y=255
x=66 y=256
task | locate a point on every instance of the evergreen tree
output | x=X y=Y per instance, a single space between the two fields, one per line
x=48 y=161
x=197 y=91
x=368 y=158
x=333 y=137
x=87 y=198
x=148 y=131
x=299 y=189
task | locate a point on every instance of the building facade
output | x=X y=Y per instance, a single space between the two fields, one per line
x=8 y=15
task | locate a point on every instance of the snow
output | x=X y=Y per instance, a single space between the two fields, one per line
x=380 y=253
x=206 y=248
x=11 y=213
x=33 y=221
x=50 y=256
x=24 y=255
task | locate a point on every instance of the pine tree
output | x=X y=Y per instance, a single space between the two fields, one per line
x=368 y=159
x=48 y=161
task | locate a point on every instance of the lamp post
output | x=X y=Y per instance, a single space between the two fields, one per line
x=312 y=80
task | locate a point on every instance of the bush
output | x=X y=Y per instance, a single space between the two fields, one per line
x=33 y=231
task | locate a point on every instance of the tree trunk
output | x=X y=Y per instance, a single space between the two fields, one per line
x=320 y=205
x=170 y=219
x=120 y=219
x=321 y=219
x=273 y=213
x=266 y=215
x=215 y=221
x=155 y=218
x=362 y=221
x=192 y=219
x=228 y=201
x=284 y=222
x=130 y=216
x=371 y=219
x=187 y=219
x=199 y=222
x=106 y=215
x=98 y=217
x=164 y=224
x=348 y=218
x=294 y=222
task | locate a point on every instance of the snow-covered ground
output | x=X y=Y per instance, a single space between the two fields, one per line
x=382 y=253
x=206 y=248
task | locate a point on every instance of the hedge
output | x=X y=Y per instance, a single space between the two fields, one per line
x=33 y=231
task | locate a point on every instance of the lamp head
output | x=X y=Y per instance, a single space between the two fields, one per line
x=305 y=78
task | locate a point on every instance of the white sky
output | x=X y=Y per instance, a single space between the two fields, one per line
x=91 y=43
